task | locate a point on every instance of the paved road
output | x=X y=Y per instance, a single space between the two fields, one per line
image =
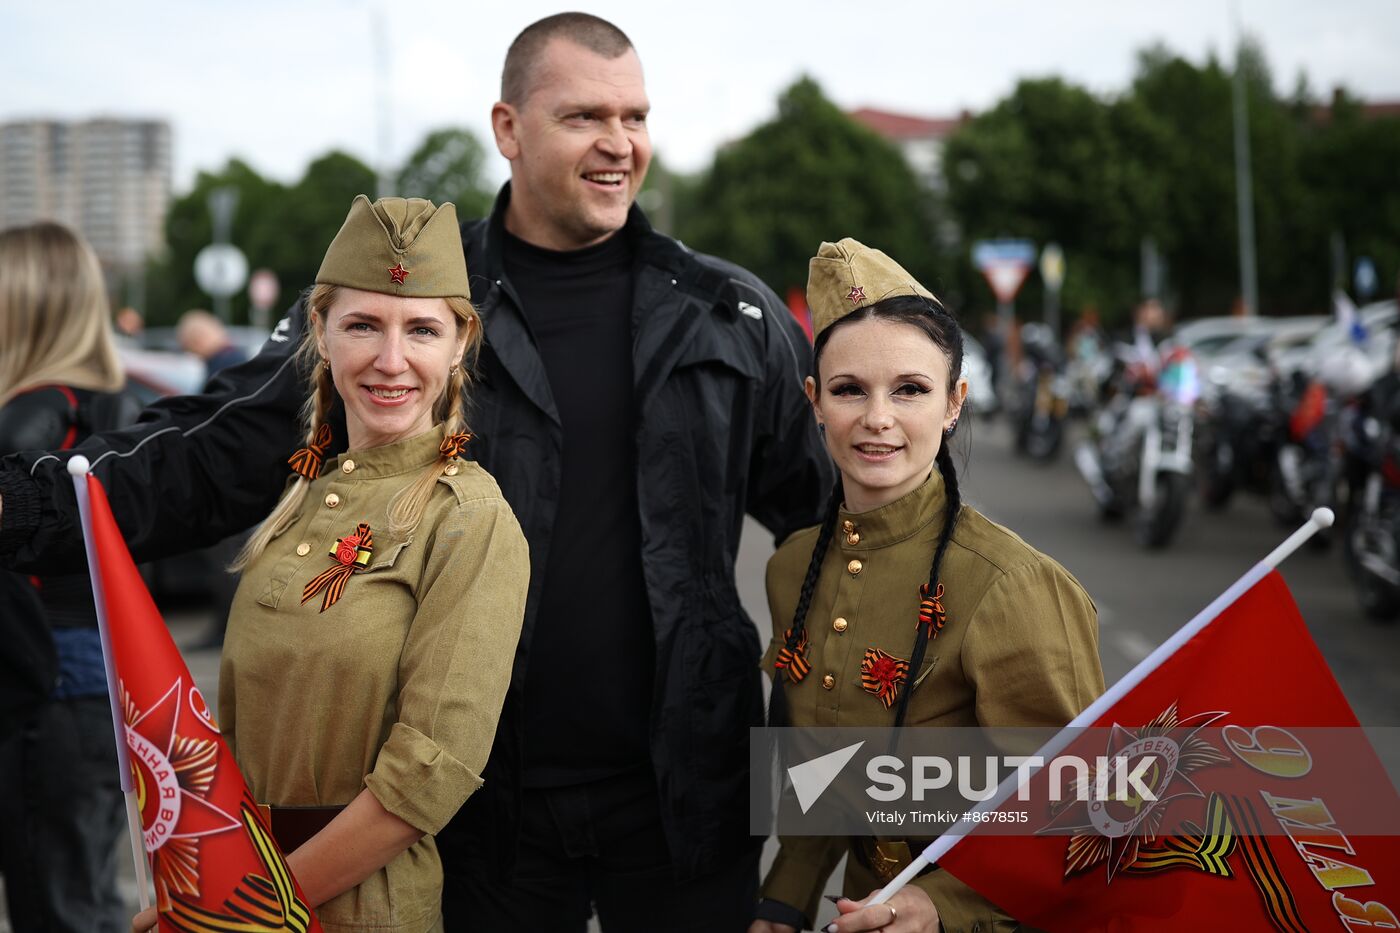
x=1142 y=596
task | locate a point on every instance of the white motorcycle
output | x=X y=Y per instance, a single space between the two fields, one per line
x=1139 y=459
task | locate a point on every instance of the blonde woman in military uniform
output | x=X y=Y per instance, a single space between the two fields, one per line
x=371 y=639
x=905 y=606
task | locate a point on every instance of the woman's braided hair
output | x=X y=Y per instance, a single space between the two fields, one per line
x=942 y=328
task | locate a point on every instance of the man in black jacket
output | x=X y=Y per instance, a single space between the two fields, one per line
x=634 y=400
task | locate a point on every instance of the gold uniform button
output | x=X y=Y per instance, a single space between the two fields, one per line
x=853 y=538
x=853 y=567
x=848 y=526
x=450 y=469
x=303 y=549
x=332 y=500
x=348 y=466
x=840 y=625
x=828 y=682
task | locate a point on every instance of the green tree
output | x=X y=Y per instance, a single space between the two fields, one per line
x=810 y=174
x=171 y=287
x=1046 y=164
x=1349 y=161
x=449 y=165
x=314 y=211
x=278 y=228
x=1053 y=162
x=1193 y=156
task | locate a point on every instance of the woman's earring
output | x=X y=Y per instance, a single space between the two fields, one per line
x=326 y=365
x=452 y=370
x=821 y=429
x=948 y=431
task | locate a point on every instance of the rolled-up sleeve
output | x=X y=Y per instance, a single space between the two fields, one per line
x=800 y=870
x=1032 y=650
x=456 y=664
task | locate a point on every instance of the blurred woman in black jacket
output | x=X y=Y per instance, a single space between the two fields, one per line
x=61 y=809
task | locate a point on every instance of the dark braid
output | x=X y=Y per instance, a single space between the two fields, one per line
x=944 y=460
x=777 y=706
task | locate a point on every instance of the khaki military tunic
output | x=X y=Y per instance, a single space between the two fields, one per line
x=1020 y=648
x=397 y=686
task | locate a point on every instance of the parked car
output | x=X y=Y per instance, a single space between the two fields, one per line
x=1205 y=337
x=247 y=339
x=155 y=374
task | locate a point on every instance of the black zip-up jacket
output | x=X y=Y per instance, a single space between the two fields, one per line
x=723 y=428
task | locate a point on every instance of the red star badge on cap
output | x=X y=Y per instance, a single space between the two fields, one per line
x=398 y=273
x=857 y=295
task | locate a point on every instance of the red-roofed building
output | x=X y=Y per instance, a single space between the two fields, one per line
x=1370 y=110
x=921 y=139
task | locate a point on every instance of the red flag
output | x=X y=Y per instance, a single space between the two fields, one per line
x=213 y=860
x=1267 y=845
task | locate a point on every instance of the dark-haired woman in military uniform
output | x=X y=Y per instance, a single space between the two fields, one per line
x=905 y=606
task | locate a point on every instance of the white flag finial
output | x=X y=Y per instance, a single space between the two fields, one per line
x=78 y=466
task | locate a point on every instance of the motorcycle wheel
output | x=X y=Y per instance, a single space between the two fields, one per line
x=1156 y=526
x=1214 y=482
x=1379 y=599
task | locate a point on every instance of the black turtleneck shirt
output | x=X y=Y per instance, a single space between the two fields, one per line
x=589 y=679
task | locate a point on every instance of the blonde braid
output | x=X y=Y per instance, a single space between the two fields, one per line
x=455 y=401
x=407 y=506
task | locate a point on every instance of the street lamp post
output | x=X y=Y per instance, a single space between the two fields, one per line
x=1244 y=188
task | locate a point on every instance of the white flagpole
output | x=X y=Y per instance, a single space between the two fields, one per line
x=78 y=468
x=1320 y=519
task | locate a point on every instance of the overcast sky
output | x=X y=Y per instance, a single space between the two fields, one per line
x=277 y=83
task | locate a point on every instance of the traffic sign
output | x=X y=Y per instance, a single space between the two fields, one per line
x=1365 y=278
x=1052 y=266
x=220 y=269
x=1005 y=264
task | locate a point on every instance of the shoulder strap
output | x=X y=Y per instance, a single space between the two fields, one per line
x=41 y=418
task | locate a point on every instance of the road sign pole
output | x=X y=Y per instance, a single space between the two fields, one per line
x=1244 y=188
x=222 y=204
x=1052 y=275
x=1005 y=264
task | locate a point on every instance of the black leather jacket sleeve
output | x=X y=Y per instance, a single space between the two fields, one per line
x=193 y=470
x=790 y=472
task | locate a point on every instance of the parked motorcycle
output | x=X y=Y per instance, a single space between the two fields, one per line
x=1239 y=428
x=1041 y=395
x=1312 y=465
x=1372 y=541
x=1139 y=458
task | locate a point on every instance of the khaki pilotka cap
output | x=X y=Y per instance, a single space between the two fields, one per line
x=398 y=246
x=848 y=275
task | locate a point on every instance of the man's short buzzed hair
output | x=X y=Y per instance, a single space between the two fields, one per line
x=522 y=59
